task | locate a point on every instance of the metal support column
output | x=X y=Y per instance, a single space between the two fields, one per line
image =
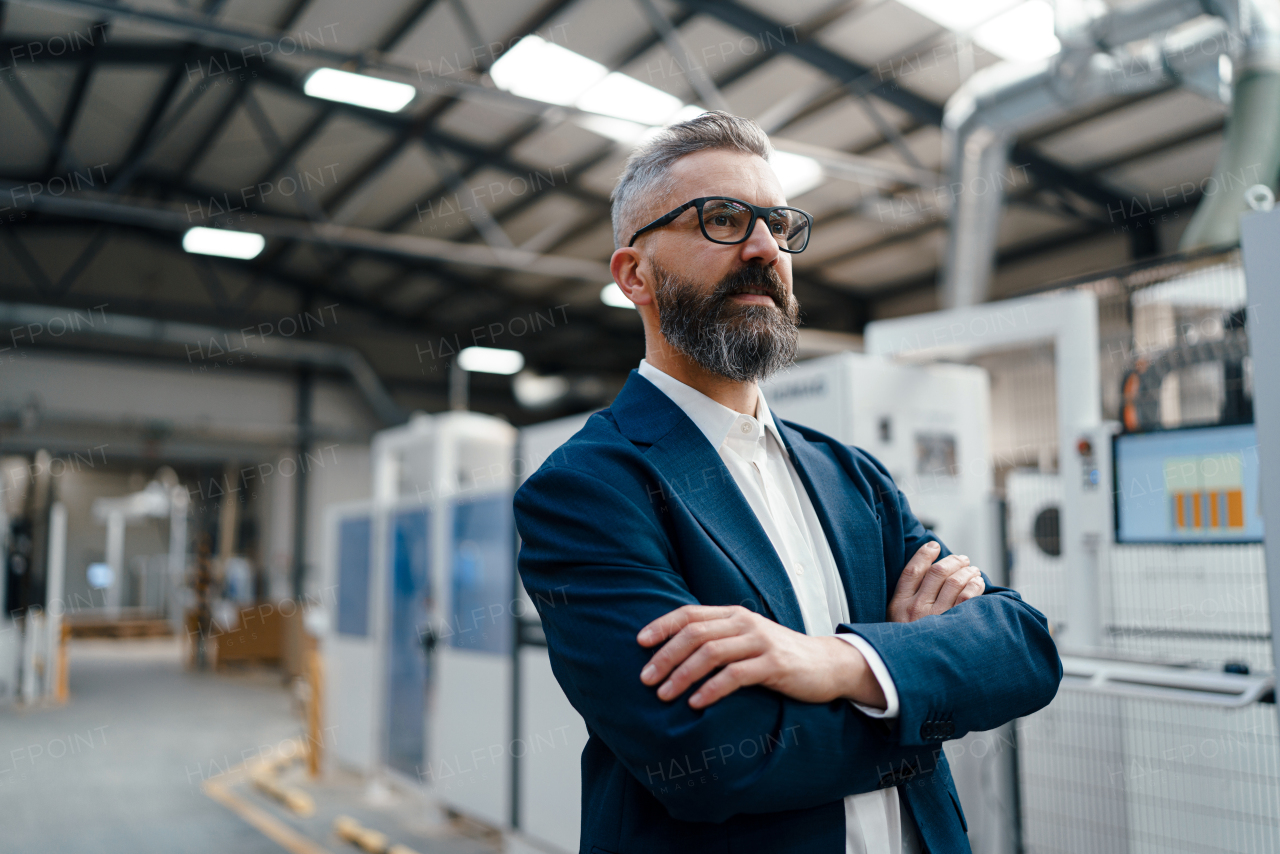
x=1260 y=241
x=306 y=380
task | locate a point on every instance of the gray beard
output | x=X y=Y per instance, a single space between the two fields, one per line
x=742 y=343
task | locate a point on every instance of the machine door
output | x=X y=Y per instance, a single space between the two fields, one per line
x=471 y=719
x=409 y=641
x=482 y=575
x=350 y=650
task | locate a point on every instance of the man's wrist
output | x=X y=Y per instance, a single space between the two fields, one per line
x=854 y=678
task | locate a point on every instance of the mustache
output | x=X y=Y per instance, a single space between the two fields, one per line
x=765 y=278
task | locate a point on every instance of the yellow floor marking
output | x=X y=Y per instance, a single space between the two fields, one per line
x=267 y=824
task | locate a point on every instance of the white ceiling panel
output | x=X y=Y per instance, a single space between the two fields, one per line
x=343 y=25
x=396 y=188
x=602 y=30
x=844 y=125
x=899 y=261
x=557 y=146
x=115 y=104
x=1131 y=127
x=1168 y=171
x=481 y=123
x=756 y=92
x=876 y=34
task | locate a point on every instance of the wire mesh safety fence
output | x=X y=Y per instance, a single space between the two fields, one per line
x=1103 y=773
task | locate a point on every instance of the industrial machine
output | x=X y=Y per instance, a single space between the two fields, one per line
x=33 y=556
x=419 y=648
x=929 y=426
x=549 y=733
x=1138 y=539
x=1136 y=530
x=158 y=500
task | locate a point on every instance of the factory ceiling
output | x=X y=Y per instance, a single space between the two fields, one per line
x=479 y=215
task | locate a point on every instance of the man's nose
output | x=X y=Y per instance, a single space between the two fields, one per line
x=760 y=247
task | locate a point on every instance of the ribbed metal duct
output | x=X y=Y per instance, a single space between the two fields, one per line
x=313 y=354
x=1105 y=53
x=1251 y=147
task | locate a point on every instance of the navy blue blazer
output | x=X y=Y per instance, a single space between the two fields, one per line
x=637 y=515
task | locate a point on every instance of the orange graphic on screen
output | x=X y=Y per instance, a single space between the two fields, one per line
x=1206 y=493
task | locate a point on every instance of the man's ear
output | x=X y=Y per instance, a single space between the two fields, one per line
x=625 y=267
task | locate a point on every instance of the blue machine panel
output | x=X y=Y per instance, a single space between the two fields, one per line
x=353 y=576
x=483 y=567
x=407 y=663
x=1194 y=485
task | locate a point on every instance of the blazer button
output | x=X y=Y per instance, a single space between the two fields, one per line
x=948 y=729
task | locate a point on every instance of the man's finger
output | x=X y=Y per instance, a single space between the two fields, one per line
x=685 y=643
x=937 y=574
x=975 y=588
x=914 y=571
x=671 y=623
x=949 y=594
x=708 y=657
x=751 y=671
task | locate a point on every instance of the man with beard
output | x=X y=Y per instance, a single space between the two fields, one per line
x=720 y=579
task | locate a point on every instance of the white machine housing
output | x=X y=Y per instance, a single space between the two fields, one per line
x=928 y=425
x=443 y=720
x=551 y=734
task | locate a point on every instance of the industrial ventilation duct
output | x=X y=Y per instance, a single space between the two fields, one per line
x=1107 y=53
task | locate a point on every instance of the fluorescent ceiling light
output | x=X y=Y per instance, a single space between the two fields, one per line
x=536 y=392
x=1020 y=30
x=688 y=111
x=796 y=173
x=627 y=108
x=223 y=242
x=612 y=295
x=617 y=130
x=359 y=89
x=545 y=71
x=490 y=360
x=1023 y=34
x=627 y=98
x=960 y=16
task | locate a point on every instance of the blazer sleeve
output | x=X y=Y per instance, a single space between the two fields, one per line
x=598 y=564
x=977 y=666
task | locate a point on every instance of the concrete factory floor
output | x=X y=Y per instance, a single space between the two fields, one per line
x=126 y=766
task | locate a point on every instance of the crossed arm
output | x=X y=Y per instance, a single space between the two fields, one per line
x=597 y=552
x=749 y=649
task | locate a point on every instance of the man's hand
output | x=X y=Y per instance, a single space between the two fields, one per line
x=751 y=650
x=927 y=588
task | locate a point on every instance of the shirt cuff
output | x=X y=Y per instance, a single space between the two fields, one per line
x=880 y=672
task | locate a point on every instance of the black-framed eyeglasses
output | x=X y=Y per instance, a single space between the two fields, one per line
x=729 y=221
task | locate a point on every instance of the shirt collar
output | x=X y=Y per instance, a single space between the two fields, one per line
x=714 y=419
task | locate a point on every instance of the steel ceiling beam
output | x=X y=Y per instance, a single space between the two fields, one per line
x=104 y=208
x=216 y=34
x=422 y=329
x=295 y=351
x=824 y=59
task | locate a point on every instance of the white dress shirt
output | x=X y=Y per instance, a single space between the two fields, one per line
x=756 y=457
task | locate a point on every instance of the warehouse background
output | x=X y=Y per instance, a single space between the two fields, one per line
x=240 y=296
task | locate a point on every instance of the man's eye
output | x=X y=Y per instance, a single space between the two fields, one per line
x=720 y=219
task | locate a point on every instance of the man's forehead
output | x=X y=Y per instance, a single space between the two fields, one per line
x=725 y=173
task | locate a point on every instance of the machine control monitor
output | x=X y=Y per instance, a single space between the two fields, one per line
x=1192 y=485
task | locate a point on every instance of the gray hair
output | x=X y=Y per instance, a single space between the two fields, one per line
x=648 y=170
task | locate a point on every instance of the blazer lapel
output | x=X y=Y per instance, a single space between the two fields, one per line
x=852 y=528
x=697 y=477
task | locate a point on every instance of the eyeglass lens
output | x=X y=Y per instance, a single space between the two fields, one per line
x=727 y=221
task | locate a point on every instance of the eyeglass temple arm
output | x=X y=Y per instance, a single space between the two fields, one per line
x=663 y=220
